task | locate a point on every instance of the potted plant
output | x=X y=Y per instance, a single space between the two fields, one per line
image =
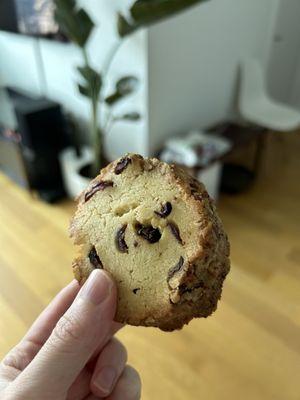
x=77 y=25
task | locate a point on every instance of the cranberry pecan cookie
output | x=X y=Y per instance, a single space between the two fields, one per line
x=157 y=232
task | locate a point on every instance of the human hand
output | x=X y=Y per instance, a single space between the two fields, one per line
x=70 y=353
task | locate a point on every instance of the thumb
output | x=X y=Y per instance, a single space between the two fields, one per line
x=82 y=329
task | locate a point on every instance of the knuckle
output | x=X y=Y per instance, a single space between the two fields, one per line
x=10 y=360
x=120 y=348
x=17 y=358
x=68 y=329
x=135 y=385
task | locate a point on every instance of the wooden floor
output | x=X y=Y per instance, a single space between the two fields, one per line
x=249 y=349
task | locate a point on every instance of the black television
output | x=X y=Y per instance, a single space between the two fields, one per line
x=30 y=17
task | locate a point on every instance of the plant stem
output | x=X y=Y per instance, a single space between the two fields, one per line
x=95 y=132
x=108 y=121
x=106 y=67
x=110 y=57
x=105 y=70
x=96 y=136
x=85 y=56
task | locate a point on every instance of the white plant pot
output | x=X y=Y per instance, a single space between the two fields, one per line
x=71 y=165
x=211 y=177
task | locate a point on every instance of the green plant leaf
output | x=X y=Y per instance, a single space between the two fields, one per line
x=93 y=82
x=85 y=72
x=89 y=74
x=113 y=98
x=83 y=90
x=132 y=116
x=66 y=5
x=147 y=12
x=124 y=87
x=84 y=25
x=75 y=23
x=127 y=85
x=65 y=17
x=124 y=27
x=66 y=24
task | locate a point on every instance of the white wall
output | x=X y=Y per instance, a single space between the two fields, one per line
x=193 y=62
x=18 y=68
x=289 y=32
x=283 y=70
x=295 y=94
x=7 y=114
x=17 y=62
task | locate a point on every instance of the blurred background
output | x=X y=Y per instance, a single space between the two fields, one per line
x=213 y=86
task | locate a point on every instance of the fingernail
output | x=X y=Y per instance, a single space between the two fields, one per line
x=105 y=380
x=97 y=288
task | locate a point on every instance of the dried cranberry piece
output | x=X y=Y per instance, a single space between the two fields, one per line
x=94 y=258
x=120 y=239
x=122 y=164
x=176 y=268
x=175 y=231
x=96 y=187
x=147 y=232
x=165 y=210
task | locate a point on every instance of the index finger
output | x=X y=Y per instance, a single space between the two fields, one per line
x=45 y=323
x=43 y=326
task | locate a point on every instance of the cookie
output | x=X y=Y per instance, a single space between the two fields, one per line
x=155 y=229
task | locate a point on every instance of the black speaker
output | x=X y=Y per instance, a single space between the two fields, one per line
x=8 y=16
x=42 y=129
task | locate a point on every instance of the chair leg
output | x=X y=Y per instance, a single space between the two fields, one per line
x=260 y=151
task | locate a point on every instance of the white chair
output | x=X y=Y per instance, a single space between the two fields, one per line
x=255 y=105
